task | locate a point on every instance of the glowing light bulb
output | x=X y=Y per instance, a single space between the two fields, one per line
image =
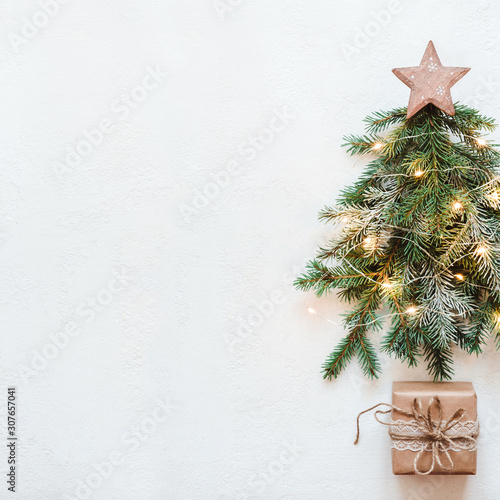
x=311 y=310
x=481 y=250
x=387 y=285
x=377 y=146
x=411 y=310
x=419 y=173
x=495 y=196
x=481 y=142
x=370 y=243
x=457 y=206
x=459 y=276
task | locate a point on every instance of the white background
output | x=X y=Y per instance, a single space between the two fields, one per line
x=248 y=414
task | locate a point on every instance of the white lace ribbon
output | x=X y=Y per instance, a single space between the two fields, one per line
x=416 y=440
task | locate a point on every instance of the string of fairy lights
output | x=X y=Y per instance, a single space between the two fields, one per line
x=370 y=243
x=411 y=310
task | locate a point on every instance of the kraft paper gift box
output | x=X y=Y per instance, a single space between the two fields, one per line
x=452 y=396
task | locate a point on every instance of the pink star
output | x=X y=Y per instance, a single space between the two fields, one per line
x=430 y=82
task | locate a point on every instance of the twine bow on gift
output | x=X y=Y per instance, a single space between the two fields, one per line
x=434 y=436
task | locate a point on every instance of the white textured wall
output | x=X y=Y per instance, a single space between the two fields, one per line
x=123 y=287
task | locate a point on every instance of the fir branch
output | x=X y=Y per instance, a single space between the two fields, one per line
x=362 y=144
x=339 y=358
x=481 y=326
x=438 y=361
x=367 y=357
x=381 y=120
x=420 y=232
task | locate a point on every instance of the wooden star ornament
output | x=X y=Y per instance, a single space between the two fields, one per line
x=430 y=82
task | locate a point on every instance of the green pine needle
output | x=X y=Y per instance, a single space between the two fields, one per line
x=418 y=233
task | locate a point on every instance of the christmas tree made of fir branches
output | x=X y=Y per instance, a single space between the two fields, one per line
x=418 y=234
